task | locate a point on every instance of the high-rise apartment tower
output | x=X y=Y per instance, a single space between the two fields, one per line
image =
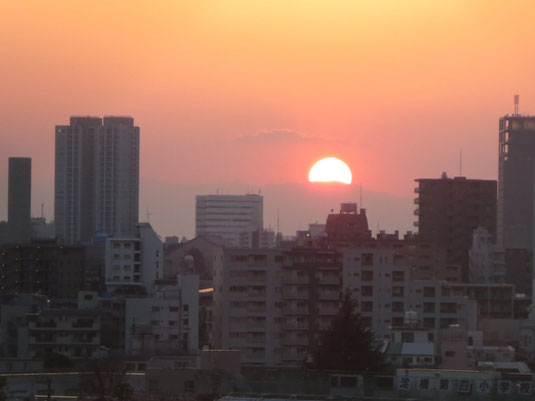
x=516 y=165
x=96 y=178
x=19 y=199
x=450 y=209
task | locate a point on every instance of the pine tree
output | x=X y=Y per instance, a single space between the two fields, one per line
x=348 y=344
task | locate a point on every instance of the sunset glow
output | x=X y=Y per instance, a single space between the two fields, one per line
x=372 y=82
x=329 y=170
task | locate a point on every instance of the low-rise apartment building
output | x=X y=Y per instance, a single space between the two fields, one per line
x=384 y=291
x=134 y=261
x=166 y=323
x=72 y=333
x=273 y=303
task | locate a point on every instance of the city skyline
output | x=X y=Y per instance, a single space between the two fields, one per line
x=378 y=85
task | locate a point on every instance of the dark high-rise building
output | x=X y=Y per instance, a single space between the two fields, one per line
x=19 y=199
x=96 y=178
x=43 y=267
x=516 y=164
x=450 y=209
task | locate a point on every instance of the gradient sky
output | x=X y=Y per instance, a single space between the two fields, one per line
x=254 y=92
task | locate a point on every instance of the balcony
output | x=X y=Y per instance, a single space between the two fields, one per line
x=256 y=294
x=45 y=325
x=327 y=311
x=292 y=325
x=329 y=280
x=256 y=309
x=294 y=310
x=294 y=294
x=330 y=295
x=292 y=279
x=290 y=354
x=84 y=325
x=417 y=190
x=416 y=212
x=34 y=340
x=300 y=341
x=416 y=201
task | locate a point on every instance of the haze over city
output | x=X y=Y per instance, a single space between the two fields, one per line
x=242 y=96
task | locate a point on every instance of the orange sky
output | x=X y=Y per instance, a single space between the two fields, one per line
x=395 y=88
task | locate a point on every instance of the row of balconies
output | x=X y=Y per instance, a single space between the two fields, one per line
x=64 y=340
x=62 y=326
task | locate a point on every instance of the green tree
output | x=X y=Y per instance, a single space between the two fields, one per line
x=348 y=344
x=3 y=389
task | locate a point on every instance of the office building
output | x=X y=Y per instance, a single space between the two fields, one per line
x=227 y=216
x=450 y=209
x=96 y=178
x=19 y=199
x=516 y=163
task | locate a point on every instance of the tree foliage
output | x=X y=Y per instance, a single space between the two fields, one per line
x=3 y=389
x=348 y=344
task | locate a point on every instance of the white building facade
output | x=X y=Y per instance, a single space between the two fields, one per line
x=226 y=216
x=136 y=260
x=487 y=260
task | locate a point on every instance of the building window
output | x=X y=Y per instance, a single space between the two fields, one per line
x=429 y=307
x=397 y=291
x=398 y=307
x=429 y=292
x=367 y=291
x=398 y=276
x=189 y=386
x=407 y=337
x=429 y=322
x=367 y=275
x=367 y=259
x=367 y=307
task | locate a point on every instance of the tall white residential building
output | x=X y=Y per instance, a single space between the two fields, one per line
x=135 y=260
x=166 y=323
x=487 y=260
x=227 y=216
x=96 y=178
x=384 y=291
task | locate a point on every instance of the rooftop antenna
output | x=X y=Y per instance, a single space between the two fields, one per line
x=278 y=226
x=361 y=195
x=517 y=96
x=42 y=210
x=460 y=162
x=148 y=214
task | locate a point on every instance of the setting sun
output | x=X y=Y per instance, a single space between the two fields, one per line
x=330 y=169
